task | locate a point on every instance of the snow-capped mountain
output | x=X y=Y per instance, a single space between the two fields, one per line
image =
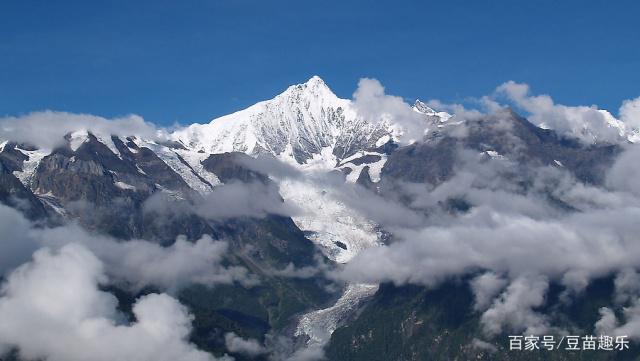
x=300 y=122
x=307 y=123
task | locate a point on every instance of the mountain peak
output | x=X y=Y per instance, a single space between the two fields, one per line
x=315 y=87
x=302 y=122
x=423 y=108
x=315 y=80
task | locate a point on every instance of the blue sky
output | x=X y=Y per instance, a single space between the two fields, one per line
x=189 y=61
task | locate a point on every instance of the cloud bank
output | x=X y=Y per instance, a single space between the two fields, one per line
x=47 y=129
x=586 y=123
x=52 y=308
x=135 y=263
x=371 y=103
x=230 y=200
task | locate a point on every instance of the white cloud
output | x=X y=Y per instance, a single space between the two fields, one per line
x=460 y=113
x=485 y=287
x=248 y=347
x=627 y=285
x=47 y=129
x=135 y=263
x=371 y=103
x=514 y=308
x=586 y=123
x=624 y=174
x=141 y=263
x=630 y=113
x=608 y=323
x=234 y=199
x=15 y=248
x=500 y=242
x=52 y=308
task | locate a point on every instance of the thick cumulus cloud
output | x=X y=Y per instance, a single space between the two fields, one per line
x=485 y=288
x=52 y=308
x=371 y=102
x=608 y=324
x=625 y=174
x=586 y=123
x=514 y=307
x=15 y=247
x=485 y=239
x=139 y=263
x=248 y=347
x=47 y=129
x=627 y=294
x=627 y=285
x=172 y=267
x=630 y=113
x=135 y=263
x=460 y=113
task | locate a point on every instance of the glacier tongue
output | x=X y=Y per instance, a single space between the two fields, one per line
x=341 y=233
x=29 y=166
x=319 y=325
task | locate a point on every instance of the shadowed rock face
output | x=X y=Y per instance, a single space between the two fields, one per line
x=11 y=158
x=153 y=167
x=364 y=179
x=95 y=174
x=366 y=159
x=430 y=162
x=231 y=166
x=106 y=193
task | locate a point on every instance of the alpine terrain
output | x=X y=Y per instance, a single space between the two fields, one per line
x=307 y=227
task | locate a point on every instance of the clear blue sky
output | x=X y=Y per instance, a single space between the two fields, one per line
x=192 y=60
